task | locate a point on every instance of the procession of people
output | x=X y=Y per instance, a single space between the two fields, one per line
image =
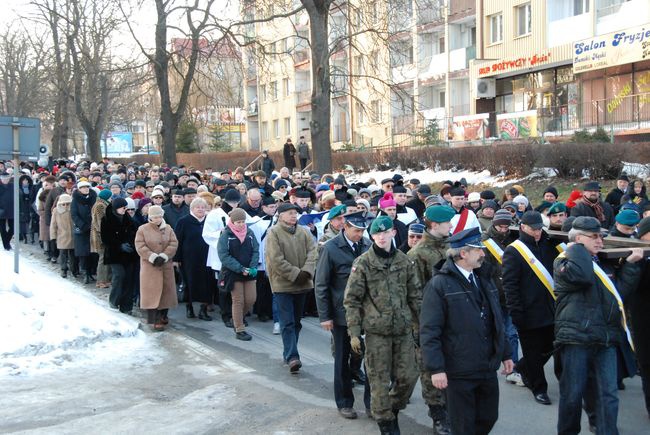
x=450 y=287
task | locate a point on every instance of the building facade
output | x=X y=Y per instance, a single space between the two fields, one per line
x=551 y=67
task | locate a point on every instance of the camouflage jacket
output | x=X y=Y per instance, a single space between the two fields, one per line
x=329 y=234
x=383 y=295
x=427 y=254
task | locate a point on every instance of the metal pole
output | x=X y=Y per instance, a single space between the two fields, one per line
x=16 y=147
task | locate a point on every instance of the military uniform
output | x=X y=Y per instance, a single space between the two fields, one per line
x=426 y=255
x=382 y=297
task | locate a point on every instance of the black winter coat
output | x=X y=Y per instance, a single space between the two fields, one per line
x=80 y=211
x=173 y=214
x=267 y=165
x=638 y=304
x=332 y=273
x=529 y=303
x=7 y=200
x=452 y=332
x=192 y=253
x=26 y=199
x=114 y=233
x=583 y=209
x=587 y=313
x=289 y=153
x=613 y=198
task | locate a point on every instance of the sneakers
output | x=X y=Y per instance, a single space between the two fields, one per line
x=294 y=366
x=515 y=378
x=276 y=328
x=243 y=335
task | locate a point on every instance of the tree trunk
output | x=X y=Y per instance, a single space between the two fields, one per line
x=321 y=85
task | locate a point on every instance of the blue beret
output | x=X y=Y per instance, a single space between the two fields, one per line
x=628 y=217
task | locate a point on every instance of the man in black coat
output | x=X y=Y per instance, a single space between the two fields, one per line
x=83 y=200
x=417 y=203
x=289 y=154
x=639 y=305
x=462 y=337
x=592 y=206
x=176 y=209
x=530 y=302
x=267 y=165
x=614 y=196
x=332 y=273
x=589 y=325
x=6 y=209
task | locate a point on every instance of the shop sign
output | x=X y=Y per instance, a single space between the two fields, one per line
x=470 y=127
x=616 y=48
x=517 y=125
x=507 y=65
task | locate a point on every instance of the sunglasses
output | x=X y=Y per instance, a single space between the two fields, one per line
x=415 y=236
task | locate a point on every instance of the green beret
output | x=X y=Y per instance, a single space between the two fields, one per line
x=556 y=208
x=628 y=217
x=381 y=224
x=439 y=213
x=339 y=210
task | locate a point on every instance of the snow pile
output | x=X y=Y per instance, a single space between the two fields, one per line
x=44 y=317
x=428 y=176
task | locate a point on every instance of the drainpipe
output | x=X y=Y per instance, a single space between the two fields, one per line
x=448 y=111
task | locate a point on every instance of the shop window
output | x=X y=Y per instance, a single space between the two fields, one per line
x=496 y=28
x=524 y=19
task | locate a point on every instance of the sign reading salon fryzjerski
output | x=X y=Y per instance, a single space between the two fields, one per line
x=616 y=48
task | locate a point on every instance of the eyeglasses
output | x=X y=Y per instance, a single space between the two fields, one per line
x=593 y=236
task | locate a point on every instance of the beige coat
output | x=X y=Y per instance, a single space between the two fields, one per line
x=288 y=253
x=61 y=227
x=157 y=284
x=43 y=227
x=97 y=213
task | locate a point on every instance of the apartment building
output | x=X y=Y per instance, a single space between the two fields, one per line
x=395 y=65
x=549 y=67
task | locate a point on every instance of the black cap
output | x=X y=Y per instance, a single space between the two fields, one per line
x=220 y=182
x=623 y=177
x=398 y=188
x=533 y=219
x=568 y=224
x=189 y=191
x=119 y=203
x=488 y=194
x=587 y=223
x=357 y=220
x=592 y=185
x=232 y=195
x=141 y=183
x=551 y=189
x=268 y=200
x=287 y=206
x=424 y=189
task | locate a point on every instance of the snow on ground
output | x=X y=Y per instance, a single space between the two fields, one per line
x=428 y=176
x=47 y=321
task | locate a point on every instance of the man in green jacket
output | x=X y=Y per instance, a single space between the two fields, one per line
x=383 y=298
x=290 y=263
x=426 y=255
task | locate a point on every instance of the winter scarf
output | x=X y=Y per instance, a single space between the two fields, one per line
x=240 y=234
x=597 y=208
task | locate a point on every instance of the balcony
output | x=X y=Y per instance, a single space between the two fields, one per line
x=303 y=101
x=569 y=29
x=622 y=15
x=433 y=14
x=404 y=73
x=300 y=56
x=459 y=59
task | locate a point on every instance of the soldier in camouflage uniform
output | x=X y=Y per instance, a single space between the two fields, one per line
x=383 y=297
x=427 y=255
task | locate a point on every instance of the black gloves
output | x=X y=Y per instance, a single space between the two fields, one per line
x=302 y=277
x=159 y=261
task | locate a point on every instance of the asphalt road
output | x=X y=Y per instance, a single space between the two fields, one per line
x=197 y=378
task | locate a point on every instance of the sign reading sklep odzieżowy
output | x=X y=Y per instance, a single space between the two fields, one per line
x=616 y=48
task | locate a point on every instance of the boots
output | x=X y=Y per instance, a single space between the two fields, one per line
x=64 y=273
x=395 y=423
x=203 y=313
x=87 y=279
x=385 y=427
x=189 y=311
x=438 y=414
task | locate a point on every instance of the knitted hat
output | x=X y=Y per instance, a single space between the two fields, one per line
x=553 y=190
x=232 y=195
x=64 y=198
x=137 y=195
x=381 y=224
x=130 y=204
x=143 y=202
x=490 y=203
x=644 y=226
x=105 y=194
x=520 y=199
x=387 y=201
x=474 y=197
x=83 y=184
x=502 y=217
x=155 y=211
x=363 y=202
x=118 y=203
x=130 y=185
x=237 y=214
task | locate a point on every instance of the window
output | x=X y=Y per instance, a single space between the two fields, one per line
x=441 y=99
x=580 y=7
x=359 y=110
x=376 y=111
x=265 y=130
x=287 y=126
x=523 y=19
x=285 y=87
x=263 y=93
x=496 y=28
x=273 y=90
x=285 y=45
x=472 y=36
x=374 y=60
x=358 y=65
x=441 y=44
x=276 y=128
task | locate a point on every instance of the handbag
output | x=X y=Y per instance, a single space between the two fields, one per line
x=226 y=281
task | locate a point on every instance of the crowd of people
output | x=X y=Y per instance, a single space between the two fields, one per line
x=442 y=286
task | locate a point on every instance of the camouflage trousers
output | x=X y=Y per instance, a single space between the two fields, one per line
x=392 y=372
x=431 y=395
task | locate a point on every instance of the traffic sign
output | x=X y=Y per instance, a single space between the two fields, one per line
x=29 y=137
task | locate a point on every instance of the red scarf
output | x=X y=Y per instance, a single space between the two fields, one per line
x=240 y=234
x=597 y=208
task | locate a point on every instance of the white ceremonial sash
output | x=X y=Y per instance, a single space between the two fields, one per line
x=536 y=265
